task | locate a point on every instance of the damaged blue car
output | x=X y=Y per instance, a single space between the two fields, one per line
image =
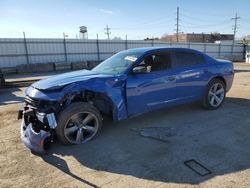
x=70 y=106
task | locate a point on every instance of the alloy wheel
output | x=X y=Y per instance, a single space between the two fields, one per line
x=81 y=127
x=216 y=94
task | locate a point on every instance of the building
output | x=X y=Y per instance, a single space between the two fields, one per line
x=197 y=37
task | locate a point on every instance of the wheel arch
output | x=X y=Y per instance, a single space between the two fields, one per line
x=219 y=77
x=113 y=98
x=100 y=100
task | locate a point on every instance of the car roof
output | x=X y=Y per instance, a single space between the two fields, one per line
x=158 y=49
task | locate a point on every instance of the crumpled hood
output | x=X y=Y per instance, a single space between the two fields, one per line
x=60 y=80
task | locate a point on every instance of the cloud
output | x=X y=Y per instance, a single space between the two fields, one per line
x=106 y=11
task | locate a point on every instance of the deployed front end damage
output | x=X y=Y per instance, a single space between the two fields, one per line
x=38 y=124
x=43 y=106
x=36 y=142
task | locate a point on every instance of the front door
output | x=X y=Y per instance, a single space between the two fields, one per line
x=154 y=88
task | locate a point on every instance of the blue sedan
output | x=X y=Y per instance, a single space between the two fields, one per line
x=130 y=83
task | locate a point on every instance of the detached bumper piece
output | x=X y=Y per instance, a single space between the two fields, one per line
x=37 y=128
x=36 y=142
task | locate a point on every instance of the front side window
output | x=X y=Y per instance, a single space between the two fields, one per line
x=185 y=59
x=117 y=63
x=157 y=62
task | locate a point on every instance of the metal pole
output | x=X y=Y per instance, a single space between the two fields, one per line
x=177 y=25
x=65 y=48
x=205 y=47
x=152 y=41
x=232 y=48
x=98 y=49
x=235 y=30
x=107 y=31
x=126 y=42
x=219 y=49
x=26 y=48
x=235 y=25
x=244 y=51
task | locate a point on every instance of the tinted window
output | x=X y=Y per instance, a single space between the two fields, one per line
x=184 y=59
x=157 y=62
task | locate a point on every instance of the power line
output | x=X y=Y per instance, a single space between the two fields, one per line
x=235 y=27
x=152 y=21
x=190 y=24
x=195 y=18
x=107 y=31
x=155 y=26
x=165 y=22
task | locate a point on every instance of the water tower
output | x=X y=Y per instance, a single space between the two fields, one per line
x=83 y=31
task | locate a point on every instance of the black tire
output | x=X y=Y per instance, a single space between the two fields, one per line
x=2 y=81
x=207 y=100
x=72 y=110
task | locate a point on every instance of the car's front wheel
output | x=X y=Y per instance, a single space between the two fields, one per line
x=78 y=123
x=215 y=94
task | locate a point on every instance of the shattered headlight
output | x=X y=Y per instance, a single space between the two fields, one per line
x=47 y=119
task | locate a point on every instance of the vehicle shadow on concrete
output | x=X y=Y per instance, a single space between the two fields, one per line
x=9 y=95
x=63 y=166
x=241 y=70
x=218 y=139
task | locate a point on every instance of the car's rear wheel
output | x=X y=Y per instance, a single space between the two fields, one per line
x=215 y=94
x=78 y=123
x=2 y=81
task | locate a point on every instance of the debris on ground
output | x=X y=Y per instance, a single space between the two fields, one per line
x=158 y=133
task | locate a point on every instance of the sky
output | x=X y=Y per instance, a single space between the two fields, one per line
x=137 y=19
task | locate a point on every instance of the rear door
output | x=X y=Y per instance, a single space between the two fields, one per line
x=153 y=89
x=192 y=73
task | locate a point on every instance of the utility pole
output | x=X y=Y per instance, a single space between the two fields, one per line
x=26 y=48
x=107 y=31
x=65 y=47
x=177 y=25
x=98 y=48
x=235 y=27
x=126 y=42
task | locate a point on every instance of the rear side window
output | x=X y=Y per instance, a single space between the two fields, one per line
x=186 y=59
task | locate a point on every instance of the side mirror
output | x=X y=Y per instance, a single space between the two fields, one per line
x=140 y=69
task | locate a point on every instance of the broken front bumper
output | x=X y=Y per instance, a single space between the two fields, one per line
x=36 y=132
x=36 y=142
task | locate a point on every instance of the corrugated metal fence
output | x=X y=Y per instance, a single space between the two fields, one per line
x=14 y=52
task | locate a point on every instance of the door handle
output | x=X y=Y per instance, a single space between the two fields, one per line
x=172 y=78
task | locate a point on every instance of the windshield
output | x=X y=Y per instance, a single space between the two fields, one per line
x=117 y=63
